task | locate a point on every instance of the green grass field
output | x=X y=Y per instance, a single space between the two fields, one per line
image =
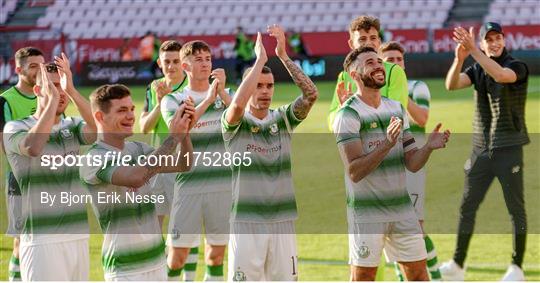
x=318 y=178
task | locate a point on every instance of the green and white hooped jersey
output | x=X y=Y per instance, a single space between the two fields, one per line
x=132 y=241
x=382 y=195
x=419 y=93
x=43 y=222
x=206 y=139
x=263 y=190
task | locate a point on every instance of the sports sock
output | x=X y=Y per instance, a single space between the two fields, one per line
x=14 y=269
x=174 y=274
x=432 y=262
x=190 y=269
x=214 y=273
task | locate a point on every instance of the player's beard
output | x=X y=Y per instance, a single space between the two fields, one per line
x=28 y=79
x=370 y=82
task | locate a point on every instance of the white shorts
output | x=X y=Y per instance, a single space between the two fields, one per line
x=163 y=184
x=402 y=241
x=416 y=185
x=63 y=261
x=191 y=212
x=268 y=253
x=148 y=276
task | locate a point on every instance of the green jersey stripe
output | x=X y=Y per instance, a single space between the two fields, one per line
x=132 y=258
x=36 y=222
x=378 y=203
x=265 y=209
x=128 y=212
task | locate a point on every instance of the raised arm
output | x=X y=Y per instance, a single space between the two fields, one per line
x=359 y=164
x=219 y=76
x=235 y=112
x=33 y=143
x=150 y=118
x=83 y=106
x=207 y=101
x=494 y=70
x=455 y=79
x=303 y=104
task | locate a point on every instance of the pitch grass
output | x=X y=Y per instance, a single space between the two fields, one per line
x=318 y=178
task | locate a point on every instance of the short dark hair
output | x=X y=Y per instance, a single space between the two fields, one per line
x=265 y=70
x=50 y=67
x=193 y=47
x=364 y=23
x=100 y=99
x=353 y=55
x=170 y=45
x=22 y=54
x=392 y=45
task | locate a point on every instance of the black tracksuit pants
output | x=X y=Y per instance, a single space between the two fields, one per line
x=506 y=164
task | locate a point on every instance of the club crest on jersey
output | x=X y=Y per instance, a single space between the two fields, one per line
x=218 y=104
x=274 y=129
x=19 y=224
x=373 y=125
x=363 y=252
x=175 y=233
x=239 y=276
x=66 y=133
x=255 y=129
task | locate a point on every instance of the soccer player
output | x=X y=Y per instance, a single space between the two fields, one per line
x=173 y=80
x=54 y=236
x=133 y=247
x=376 y=146
x=18 y=102
x=365 y=30
x=500 y=83
x=203 y=195
x=263 y=239
x=418 y=110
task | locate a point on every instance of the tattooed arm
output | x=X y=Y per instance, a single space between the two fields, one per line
x=303 y=103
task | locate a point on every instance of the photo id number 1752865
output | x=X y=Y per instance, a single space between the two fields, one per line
x=219 y=159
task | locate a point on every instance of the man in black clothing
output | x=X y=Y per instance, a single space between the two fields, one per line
x=500 y=84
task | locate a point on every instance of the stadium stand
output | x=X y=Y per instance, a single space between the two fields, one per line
x=514 y=12
x=6 y=7
x=128 y=18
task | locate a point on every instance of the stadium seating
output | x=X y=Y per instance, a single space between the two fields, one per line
x=6 y=7
x=125 y=18
x=514 y=12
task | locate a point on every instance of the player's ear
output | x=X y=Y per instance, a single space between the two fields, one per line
x=482 y=45
x=37 y=90
x=158 y=61
x=98 y=116
x=18 y=70
x=350 y=42
x=185 y=66
x=354 y=74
